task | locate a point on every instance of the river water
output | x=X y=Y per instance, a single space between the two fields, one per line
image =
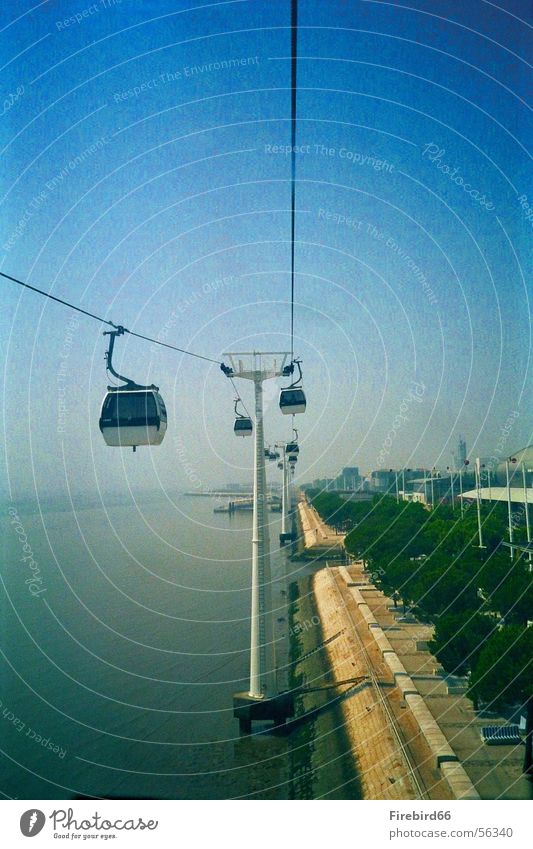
x=120 y=660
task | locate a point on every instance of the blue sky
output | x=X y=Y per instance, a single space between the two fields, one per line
x=139 y=149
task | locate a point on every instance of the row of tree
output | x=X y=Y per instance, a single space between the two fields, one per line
x=479 y=600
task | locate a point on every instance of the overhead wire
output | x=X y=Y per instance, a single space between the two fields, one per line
x=239 y=399
x=107 y=321
x=294 y=44
x=225 y=369
x=294 y=41
x=54 y=298
x=125 y=330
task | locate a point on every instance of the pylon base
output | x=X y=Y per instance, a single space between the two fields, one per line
x=283 y=538
x=248 y=709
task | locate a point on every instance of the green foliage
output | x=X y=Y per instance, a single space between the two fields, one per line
x=459 y=639
x=503 y=674
x=389 y=529
x=431 y=560
x=514 y=598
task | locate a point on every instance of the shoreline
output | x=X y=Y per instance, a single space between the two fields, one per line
x=383 y=773
x=322 y=761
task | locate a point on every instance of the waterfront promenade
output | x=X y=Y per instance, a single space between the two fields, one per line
x=412 y=729
x=319 y=539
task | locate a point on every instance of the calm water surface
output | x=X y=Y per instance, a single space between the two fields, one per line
x=127 y=663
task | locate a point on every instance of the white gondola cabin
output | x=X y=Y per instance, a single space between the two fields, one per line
x=243 y=426
x=132 y=417
x=292 y=400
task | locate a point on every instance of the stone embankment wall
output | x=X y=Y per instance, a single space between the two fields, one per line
x=444 y=756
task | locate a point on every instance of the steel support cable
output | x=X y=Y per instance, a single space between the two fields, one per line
x=294 y=44
x=106 y=321
x=239 y=397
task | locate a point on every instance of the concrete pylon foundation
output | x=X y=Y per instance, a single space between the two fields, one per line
x=247 y=709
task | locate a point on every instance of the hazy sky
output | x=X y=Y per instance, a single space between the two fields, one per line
x=141 y=181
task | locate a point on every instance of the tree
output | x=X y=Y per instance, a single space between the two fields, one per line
x=444 y=586
x=459 y=639
x=513 y=599
x=503 y=675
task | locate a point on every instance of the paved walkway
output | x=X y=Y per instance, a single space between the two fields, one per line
x=318 y=537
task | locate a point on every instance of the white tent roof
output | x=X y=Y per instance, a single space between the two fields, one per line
x=499 y=493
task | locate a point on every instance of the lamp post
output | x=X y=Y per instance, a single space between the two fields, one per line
x=396 y=484
x=478 y=501
x=451 y=484
x=466 y=463
x=509 y=504
x=526 y=508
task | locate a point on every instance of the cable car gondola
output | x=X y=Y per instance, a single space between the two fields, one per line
x=131 y=415
x=292 y=449
x=243 y=424
x=292 y=399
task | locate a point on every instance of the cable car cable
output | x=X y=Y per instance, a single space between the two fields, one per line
x=172 y=347
x=59 y=300
x=245 y=408
x=294 y=43
x=106 y=321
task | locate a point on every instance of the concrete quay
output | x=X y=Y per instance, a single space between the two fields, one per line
x=319 y=540
x=437 y=704
x=414 y=732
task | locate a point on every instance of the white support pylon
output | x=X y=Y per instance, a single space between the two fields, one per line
x=261 y=634
x=250 y=366
x=285 y=494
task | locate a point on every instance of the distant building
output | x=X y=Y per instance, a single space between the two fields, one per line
x=348 y=480
x=460 y=457
x=520 y=466
x=324 y=484
x=417 y=497
x=382 y=481
x=351 y=478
